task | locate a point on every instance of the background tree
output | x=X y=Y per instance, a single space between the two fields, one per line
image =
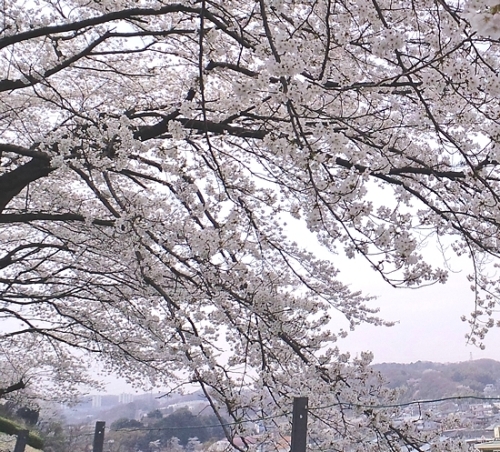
x=154 y=152
x=193 y=445
x=126 y=435
x=182 y=425
x=55 y=437
x=124 y=423
x=174 y=445
x=32 y=371
x=154 y=415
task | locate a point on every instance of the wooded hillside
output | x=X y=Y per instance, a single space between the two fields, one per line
x=426 y=380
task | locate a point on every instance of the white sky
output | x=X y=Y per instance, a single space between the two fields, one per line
x=429 y=328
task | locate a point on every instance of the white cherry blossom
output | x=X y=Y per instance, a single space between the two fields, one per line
x=153 y=152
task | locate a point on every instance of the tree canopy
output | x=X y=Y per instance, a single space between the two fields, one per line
x=152 y=153
x=181 y=424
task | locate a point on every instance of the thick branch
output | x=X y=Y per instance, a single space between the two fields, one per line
x=114 y=16
x=403 y=170
x=13 y=388
x=28 y=217
x=13 y=182
x=7 y=259
x=150 y=132
x=27 y=152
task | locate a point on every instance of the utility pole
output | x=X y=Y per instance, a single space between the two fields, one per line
x=22 y=439
x=99 y=436
x=299 y=424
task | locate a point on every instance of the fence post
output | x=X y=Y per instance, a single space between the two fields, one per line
x=299 y=424
x=99 y=436
x=22 y=439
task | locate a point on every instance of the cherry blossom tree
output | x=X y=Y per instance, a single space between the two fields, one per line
x=153 y=152
x=33 y=371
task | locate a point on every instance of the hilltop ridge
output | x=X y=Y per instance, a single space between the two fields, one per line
x=429 y=380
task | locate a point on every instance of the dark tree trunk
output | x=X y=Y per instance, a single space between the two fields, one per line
x=13 y=182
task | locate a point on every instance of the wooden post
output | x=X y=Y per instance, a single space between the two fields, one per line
x=299 y=424
x=99 y=436
x=22 y=439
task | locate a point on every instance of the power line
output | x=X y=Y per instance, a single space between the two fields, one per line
x=337 y=404
x=403 y=404
x=186 y=427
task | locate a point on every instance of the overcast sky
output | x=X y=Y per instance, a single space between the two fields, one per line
x=429 y=328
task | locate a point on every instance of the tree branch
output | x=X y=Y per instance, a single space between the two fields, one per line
x=13 y=182
x=29 y=217
x=12 y=388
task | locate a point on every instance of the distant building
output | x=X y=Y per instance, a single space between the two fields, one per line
x=491 y=446
x=125 y=398
x=195 y=406
x=96 y=401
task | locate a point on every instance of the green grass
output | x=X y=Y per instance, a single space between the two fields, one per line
x=12 y=428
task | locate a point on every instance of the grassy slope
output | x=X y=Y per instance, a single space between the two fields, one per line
x=8 y=442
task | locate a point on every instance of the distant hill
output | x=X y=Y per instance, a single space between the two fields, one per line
x=428 y=380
